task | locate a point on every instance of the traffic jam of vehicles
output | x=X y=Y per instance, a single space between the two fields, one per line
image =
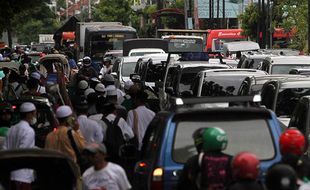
x=114 y=111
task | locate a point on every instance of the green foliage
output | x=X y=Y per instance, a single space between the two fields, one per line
x=113 y=11
x=295 y=17
x=249 y=21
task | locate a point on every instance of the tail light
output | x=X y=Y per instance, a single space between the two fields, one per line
x=157 y=179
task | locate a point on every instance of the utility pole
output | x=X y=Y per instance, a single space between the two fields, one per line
x=89 y=10
x=264 y=25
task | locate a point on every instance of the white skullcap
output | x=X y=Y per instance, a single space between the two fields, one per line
x=100 y=87
x=63 y=111
x=27 y=107
x=83 y=85
x=88 y=91
x=128 y=84
x=108 y=78
x=95 y=79
x=111 y=93
x=35 y=75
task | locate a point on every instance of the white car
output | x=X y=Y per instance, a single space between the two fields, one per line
x=144 y=51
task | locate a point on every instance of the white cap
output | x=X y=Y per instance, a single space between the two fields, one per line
x=111 y=93
x=63 y=111
x=100 y=87
x=83 y=85
x=27 y=107
x=95 y=79
x=35 y=75
x=88 y=91
x=128 y=84
x=108 y=78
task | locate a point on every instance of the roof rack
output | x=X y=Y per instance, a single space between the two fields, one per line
x=212 y=102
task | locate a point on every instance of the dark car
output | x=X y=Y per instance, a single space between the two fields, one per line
x=46 y=120
x=53 y=170
x=168 y=141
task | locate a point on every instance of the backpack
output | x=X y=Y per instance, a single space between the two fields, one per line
x=114 y=138
x=211 y=169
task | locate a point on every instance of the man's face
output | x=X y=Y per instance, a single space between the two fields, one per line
x=96 y=158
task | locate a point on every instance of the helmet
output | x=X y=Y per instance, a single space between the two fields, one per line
x=86 y=61
x=107 y=59
x=245 y=165
x=214 y=139
x=281 y=177
x=292 y=141
x=5 y=107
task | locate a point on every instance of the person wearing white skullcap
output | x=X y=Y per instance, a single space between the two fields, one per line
x=36 y=75
x=100 y=90
x=109 y=83
x=88 y=91
x=83 y=85
x=21 y=136
x=59 y=139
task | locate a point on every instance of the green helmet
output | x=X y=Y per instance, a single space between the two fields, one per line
x=214 y=139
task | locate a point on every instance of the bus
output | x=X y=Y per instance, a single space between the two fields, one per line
x=101 y=38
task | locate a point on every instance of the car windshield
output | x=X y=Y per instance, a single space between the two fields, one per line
x=128 y=68
x=253 y=63
x=255 y=137
x=288 y=99
x=285 y=69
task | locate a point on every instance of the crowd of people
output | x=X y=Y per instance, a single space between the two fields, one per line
x=96 y=122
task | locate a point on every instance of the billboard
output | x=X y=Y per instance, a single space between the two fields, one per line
x=232 y=8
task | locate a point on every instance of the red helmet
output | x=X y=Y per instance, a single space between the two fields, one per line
x=245 y=165
x=292 y=141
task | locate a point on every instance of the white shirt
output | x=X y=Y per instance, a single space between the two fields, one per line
x=126 y=129
x=145 y=116
x=20 y=136
x=111 y=177
x=90 y=129
x=98 y=119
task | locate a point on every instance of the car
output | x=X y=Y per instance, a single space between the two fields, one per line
x=53 y=169
x=282 y=96
x=122 y=68
x=223 y=82
x=300 y=71
x=46 y=120
x=168 y=140
x=179 y=77
x=252 y=60
x=283 y=64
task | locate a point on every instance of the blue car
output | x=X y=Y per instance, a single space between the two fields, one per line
x=168 y=141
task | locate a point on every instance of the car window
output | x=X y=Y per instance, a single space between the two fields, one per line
x=128 y=68
x=285 y=69
x=243 y=135
x=288 y=99
x=153 y=72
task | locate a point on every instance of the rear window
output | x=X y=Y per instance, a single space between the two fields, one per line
x=243 y=135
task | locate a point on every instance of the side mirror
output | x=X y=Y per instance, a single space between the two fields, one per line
x=135 y=77
x=159 y=84
x=169 y=90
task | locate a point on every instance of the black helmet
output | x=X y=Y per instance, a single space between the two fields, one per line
x=281 y=177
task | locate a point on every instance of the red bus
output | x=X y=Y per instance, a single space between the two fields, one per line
x=216 y=38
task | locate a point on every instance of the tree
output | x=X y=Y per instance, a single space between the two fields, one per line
x=9 y=9
x=249 y=21
x=113 y=11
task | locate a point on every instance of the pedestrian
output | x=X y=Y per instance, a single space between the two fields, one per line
x=245 y=170
x=281 y=177
x=188 y=177
x=37 y=76
x=21 y=136
x=32 y=85
x=90 y=129
x=130 y=89
x=16 y=89
x=103 y=174
x=214 y=164
x=109 y=83
x=60 y=139
x=106 y=66
x=140 y=117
